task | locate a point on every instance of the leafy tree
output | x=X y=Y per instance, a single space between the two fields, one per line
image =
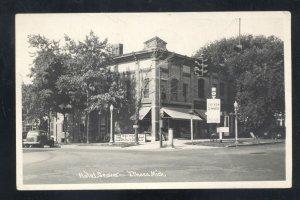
x=89 y=82
x=257 y=72
x=32 y=104
x=47 y=67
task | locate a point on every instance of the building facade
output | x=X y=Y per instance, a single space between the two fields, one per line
x=171 y=94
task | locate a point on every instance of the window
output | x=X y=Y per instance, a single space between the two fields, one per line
x=222 y=90
x=201 y=88
x=163 y=90
x=185 y=91
x=146 y=88
x=174 y=89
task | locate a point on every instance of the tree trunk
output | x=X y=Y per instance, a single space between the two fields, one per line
x=79 y=137
x=49 y=121
x=56 y=126
x=64 y=127
x=73 y=125
x=87 y=126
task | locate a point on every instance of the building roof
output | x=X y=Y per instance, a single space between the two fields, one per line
x=153 y=47
x=146 y=54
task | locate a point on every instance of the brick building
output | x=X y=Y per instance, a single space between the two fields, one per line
x=182 y=94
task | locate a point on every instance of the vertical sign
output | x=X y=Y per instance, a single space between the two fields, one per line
x=213 y=92
x=213 y=110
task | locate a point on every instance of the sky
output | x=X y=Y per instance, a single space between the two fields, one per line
x=184 y=33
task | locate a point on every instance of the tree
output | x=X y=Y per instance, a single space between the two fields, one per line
x=32 y=104
x=89 y=81
x=257 y=72
x=48 y=66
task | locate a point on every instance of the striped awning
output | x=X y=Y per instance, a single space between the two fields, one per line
x=180 y=113
x=142 y=113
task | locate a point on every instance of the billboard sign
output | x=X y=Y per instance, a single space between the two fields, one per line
x=213 y=110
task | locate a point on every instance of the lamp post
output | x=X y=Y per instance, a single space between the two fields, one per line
x=111 y=108
x=280 y=117
x=192 y=128
x=236 y=127
x=159 y=108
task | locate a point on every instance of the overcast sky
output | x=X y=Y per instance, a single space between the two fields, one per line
x=184 y=32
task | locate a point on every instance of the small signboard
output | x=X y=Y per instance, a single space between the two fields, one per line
x=213 y=110
x=135 y=126
x=223 y=129
x=129 y=137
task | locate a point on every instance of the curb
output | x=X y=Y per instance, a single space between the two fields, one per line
x=255 y=144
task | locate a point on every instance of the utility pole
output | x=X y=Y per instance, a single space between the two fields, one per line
x=87 y=116
x=192 y=105
x=236 y=126
x=139 y=97
x=56 y=126
x=159 y=108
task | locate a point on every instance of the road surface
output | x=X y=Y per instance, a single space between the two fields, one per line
x=71 y=165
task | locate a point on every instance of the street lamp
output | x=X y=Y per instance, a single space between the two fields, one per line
x=280 y=117
x=192 y=130
x=236 y=128
x=111 y=108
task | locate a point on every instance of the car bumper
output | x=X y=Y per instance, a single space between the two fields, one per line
x=31 y=143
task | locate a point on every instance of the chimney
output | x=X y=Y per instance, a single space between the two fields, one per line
x=117 y=49
x=155 y=43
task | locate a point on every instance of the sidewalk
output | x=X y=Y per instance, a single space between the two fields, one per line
x=178 y=144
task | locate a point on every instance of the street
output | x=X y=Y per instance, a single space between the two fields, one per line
x=71 y=165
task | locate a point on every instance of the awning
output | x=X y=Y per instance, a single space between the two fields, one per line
x=201 y=113
x=143 y=112
x=180 y=113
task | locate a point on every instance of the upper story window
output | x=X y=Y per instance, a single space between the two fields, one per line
x=174 y=89
x=163 y=89
x=186 y=69
x=146 y=88
x=163 y=92
x=185 y=91
x=201 y=88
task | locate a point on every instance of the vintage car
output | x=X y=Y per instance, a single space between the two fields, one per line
x=38 y=138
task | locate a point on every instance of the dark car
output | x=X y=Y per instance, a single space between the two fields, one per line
x=38 y=138
x=275 y=133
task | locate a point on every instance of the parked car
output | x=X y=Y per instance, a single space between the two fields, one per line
x=24 y=134
x=275 y=133
x=38 y=138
